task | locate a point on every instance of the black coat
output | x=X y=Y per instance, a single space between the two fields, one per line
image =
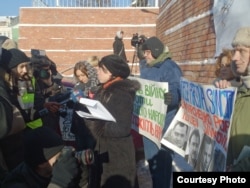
x=114 y=143
x=119 y=48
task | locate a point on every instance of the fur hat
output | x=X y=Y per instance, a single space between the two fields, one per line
x=13 y=57
x=9 y=44
x=116 y=65
x=40 y=145
x=242 y=37
x=154 y=45
x=3 y=39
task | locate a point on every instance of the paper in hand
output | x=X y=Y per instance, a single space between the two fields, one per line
x=96 y=110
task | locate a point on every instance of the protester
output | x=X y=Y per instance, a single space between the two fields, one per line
x=114 y=147
x=178 y=135
x=86 y=78
x=240 y=130
x=46 y=163
x=118 y=45
x=158 y=66
x=193 y=147
x=11 y=122
x=206 y=154
x=223 y=68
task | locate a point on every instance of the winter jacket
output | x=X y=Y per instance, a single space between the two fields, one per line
x=119 y=48
x=163 y=69
x=114 y=143
x=10 y=145
x=240 y=131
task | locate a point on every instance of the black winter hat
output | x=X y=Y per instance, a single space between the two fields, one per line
x=154 y=45
x=116 y=65
x=40 y=145
x=13 y=57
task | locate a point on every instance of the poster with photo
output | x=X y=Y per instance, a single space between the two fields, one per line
x=206 y=111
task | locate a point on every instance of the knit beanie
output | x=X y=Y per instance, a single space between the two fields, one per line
x=13 y=57
x=154 y=45
x=242 y=37
x=40 y=145
x=116 y=65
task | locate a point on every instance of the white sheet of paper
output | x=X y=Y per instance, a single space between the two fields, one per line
x=96 y=109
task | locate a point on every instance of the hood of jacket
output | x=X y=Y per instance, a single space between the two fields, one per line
x=161 y=58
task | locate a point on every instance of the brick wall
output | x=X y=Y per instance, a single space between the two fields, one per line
x=72 y=34
x=187 y=28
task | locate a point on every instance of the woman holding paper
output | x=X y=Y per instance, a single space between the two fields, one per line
x=114 y=149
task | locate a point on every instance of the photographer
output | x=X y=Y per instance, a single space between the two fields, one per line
x=48 y=90
x=46 y=162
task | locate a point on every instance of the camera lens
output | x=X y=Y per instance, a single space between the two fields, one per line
x=85 y=156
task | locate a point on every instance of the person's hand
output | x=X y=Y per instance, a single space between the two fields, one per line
x=167 y=98
x=65 y=169
x=222 y=84
x=52 y=106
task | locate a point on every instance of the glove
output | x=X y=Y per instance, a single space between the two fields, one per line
x=65 y=169
x=167 y=98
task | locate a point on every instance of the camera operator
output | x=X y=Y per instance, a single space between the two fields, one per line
x=49 y=92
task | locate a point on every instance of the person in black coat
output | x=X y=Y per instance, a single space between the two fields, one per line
x=118 y=45
x=114 y=149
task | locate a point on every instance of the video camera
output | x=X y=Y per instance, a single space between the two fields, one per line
x=138 y=40
x=37 y=52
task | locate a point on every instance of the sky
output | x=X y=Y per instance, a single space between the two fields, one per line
x=11 y=7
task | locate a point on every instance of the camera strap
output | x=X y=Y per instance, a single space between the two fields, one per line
x=121 y=51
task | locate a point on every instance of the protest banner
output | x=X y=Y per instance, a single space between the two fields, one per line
x=149 y=109
x=206 y=113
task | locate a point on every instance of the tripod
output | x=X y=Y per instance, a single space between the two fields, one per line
x=135 y=59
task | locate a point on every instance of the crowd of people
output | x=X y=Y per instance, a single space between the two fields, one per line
x=33 y=152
